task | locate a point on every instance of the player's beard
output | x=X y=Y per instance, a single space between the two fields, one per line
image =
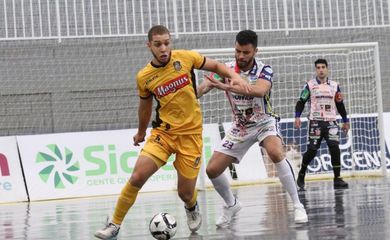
x=158 y=60
x=243 y=64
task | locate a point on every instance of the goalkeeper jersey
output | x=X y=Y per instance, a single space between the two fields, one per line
x=174 y=88
x=322 y=98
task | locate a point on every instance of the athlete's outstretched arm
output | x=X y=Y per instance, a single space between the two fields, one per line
x=225 y=72
x=204 y=87
x=263 y=84
x=260 y=89
x=144 y=115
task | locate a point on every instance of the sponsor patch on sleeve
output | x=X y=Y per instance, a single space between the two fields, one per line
x=215 y=76
x=339 y=97
x=305 y=93
x=266 y=73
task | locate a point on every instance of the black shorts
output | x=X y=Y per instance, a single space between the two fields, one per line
x=318 y=130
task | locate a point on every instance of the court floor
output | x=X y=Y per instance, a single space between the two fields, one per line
x=360 y=212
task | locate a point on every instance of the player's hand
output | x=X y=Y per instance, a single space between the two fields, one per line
x=345 y=127
x=138 y=138
x=240 y=83
x=214 y=82
x=297 y=123
x=210 y=82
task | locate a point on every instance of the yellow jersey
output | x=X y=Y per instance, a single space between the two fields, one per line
x=174 y=88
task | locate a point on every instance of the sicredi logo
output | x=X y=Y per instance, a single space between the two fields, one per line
x=96 y=163
x=58 y=166
x=4 y=167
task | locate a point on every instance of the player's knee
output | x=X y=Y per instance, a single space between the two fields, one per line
x=276 y=155
x=211 y=172
x=185 y=195
x=137 y=180
x=334 y=148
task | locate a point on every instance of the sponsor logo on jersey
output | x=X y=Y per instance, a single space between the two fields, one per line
x=339 y=97
x=172 y=86
x=266 y=73
x=265 y=76
x=268 y=69
x=215 y=77
x=151 y=79
x=322 y=97
x=316 y=114
x=177 y=65
x=305 y=94
x=242 y=97
x=316 y=91
x=253 y=77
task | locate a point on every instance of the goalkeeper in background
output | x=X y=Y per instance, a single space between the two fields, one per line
x=254 y=122
x=324 y=98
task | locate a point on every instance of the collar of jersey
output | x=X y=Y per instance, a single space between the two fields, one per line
x=253 y=71
x=319 y=82
x=161 y=66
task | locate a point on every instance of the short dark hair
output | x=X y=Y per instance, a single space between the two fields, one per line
x=321 y=61
x=247 y=37
x=157 y=30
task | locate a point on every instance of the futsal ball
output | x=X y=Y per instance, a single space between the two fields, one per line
x=162 y=226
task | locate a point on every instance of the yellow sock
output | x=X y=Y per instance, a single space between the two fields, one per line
x=193 y=200
x=125 y=201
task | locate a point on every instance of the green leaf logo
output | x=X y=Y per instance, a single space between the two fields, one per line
x=58 y=164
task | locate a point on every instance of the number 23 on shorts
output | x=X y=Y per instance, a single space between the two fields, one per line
x=228 y=144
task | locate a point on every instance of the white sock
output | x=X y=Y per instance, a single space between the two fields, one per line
x=222 y=186
x=286 y=177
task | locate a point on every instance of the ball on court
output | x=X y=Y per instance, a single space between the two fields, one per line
x=162 y=226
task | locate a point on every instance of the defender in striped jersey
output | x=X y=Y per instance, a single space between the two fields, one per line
x=254 y=122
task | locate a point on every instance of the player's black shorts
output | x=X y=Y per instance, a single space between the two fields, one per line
x=318 y=130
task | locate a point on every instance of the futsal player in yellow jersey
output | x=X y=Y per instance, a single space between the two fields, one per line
x=177 y=128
